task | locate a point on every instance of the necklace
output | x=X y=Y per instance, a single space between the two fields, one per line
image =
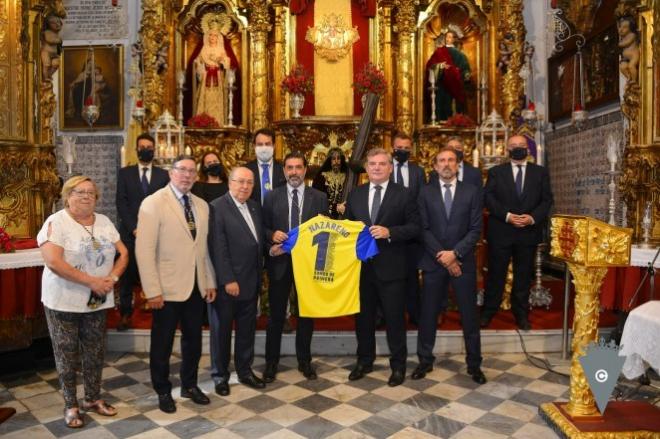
x=95 y=244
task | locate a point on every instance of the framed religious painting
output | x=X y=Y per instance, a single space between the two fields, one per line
x=91 y=88
x=600 y=78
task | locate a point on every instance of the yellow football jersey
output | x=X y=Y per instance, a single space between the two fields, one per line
x=327 y=257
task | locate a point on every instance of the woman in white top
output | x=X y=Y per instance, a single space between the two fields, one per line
x=79 y=248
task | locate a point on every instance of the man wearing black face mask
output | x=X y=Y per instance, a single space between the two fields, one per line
x=411 y=176
x=518 y=199
x=134 y=183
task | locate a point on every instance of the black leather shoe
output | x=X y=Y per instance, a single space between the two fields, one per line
x=252 y=381
x=196 y=394
x=359 y=371
x=222 y=388
x=270 y=372
x=307 y=370
x=166 y=403
x=477 y=375
x=523 y=325
x=396 y=378
x=421 y=370
x=484 y=321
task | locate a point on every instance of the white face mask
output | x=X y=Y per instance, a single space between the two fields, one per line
x=264 y=153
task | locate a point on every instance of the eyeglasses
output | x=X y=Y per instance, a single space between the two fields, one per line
x=243 y=182
x=185 y=171
x=79 y=193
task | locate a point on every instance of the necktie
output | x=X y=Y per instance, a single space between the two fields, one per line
x=448 y=199
x=190 y=218
x=144 y=181
x=519 y=180
x=265 y=182
x=375 y=204
x=399 y=174
x=295 y=210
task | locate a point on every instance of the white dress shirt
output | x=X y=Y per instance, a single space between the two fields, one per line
x=140 y=170
x=405 y=173
x=514 y=169
x=459 y=176
x=179 y=196
x=245 y=211
x=452 y=188
x=372 y=191
x=301 y=192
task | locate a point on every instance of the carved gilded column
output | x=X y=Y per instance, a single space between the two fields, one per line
x=279 y=60
x=512 y=23
x=385 y=57
x=258 y=30
x=405 y=20
x=154 y=33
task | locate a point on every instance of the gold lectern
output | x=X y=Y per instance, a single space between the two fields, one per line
x=589 y=247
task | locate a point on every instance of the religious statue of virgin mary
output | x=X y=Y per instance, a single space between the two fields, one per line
x=209 y=89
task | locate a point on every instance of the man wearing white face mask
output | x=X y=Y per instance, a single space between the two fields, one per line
x=267 y=172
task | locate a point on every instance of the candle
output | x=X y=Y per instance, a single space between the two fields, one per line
x=181 y=78
x=187 y=150
x=475 y=157
x=122 y=155
x=612 y=152
x=431 y=77
x=539 y=154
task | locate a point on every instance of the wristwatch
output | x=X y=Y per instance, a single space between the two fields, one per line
x=458 y=255
x=114 y=277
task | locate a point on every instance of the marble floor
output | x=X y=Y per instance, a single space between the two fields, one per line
x=446 y=404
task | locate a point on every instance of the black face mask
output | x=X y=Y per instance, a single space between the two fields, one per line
x=518 y=153
x=146 y=155
x=459 y=156
x=214 y=169
x=401 y=155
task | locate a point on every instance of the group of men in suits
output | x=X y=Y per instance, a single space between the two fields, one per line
x=189 y=252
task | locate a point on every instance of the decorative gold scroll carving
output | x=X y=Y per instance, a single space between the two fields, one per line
x=155 y=41
x=405 y=20
x=231 y=144
x=512 y=24
x=258 y=30
x=332 y=38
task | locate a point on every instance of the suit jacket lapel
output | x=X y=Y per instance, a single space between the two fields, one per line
x=177 y=208
x=511 y=183
x=233 y=208
x=441 y=200
x=307 y=205
x=386 y=199
x=529 y=170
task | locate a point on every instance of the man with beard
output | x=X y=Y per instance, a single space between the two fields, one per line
x=284 y=209
x=134 y=184
x=518 y=199
x=268 y=174
x=451 y=225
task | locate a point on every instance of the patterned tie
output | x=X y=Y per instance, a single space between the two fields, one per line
x=295 y=210
x=448 y=199
x=375 y=204
x=519 y=180
x=265 y=182
x=190 y=218
x=399 y=174
x=144 y=181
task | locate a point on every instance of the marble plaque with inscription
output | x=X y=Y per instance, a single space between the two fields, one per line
x=95 y=20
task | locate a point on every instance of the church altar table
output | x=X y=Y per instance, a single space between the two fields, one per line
x=20 y=284
x=641 y=339
x=620 y=283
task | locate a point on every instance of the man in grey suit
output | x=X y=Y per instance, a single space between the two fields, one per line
x=411 y=176
x=236 y=245
x=285 y=208
x=451 y=222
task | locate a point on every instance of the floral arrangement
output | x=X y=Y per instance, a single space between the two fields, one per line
x=460 y=120
x=6 y=245
x=203 y=120
x=298 y=81
x=370 y=80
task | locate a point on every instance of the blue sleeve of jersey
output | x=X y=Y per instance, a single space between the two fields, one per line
x=366 y=245
x=290 y=243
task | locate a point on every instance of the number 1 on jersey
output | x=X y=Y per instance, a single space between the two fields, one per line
x=321 y=239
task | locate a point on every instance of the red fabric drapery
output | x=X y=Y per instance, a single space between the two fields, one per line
x=305 y=52
x=20 y=293
x=366 y=8
x=360 y=50
x=451 y=77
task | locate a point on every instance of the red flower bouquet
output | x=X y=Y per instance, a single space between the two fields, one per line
x=460 y=120
x=203 y=120
x=6 y=245
x=370 y=80
x=298 y=81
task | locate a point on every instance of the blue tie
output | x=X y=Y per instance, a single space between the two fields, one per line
x=448 y=199
x=519 y=182
x=265 y=182
x=144 y=181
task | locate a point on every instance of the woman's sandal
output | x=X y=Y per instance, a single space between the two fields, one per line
x=100 y=407
x=72 y=418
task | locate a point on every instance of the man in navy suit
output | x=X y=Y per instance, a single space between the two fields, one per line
x=236 y=246
x=411 y=176
x=268 y=174
x=451 y=218
x=393 y=220
x=284 y=209
x=134 y=184
x=518 y=199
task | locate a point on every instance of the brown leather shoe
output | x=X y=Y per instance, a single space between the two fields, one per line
x=124 y=323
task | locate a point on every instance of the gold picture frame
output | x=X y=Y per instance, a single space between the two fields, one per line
x=106 y=90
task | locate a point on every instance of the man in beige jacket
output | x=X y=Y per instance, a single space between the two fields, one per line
x=176 y=273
